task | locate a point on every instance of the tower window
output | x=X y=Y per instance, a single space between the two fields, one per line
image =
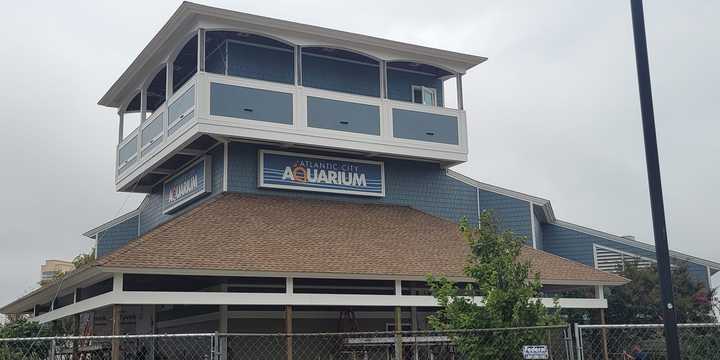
x=424 y=95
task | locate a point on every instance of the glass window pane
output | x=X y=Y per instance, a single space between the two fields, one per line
x=185 y=64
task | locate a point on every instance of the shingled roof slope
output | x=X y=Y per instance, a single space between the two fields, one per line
x=237 y=232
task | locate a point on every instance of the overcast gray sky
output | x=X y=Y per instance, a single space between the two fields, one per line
x=553 y=113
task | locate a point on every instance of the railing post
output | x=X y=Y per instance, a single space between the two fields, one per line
x=52 y=349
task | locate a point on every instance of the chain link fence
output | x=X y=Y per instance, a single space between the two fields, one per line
x=502 y=344
x=622 y=342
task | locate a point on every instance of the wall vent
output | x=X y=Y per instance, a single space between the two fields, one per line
x=611 y=260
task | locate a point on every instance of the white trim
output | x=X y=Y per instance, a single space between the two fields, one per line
x=226 y=165
x=200 y=272
x=398 y=287
x=496 y=189
x=190 y=17
x=117 y=282
x=111 y=223
x=709 y=277
x=423 y=89
x=219 y=298
x=262 y=184
x=633 y=243
x=532 y=225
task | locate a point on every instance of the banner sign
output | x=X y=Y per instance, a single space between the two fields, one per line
x=535 y=352
x=284 y=170
x=189 y=184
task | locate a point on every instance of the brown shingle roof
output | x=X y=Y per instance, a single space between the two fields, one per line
x=280 y=234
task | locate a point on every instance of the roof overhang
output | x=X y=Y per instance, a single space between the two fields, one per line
x=712 y=265
x=77 y=278
x=190 y=16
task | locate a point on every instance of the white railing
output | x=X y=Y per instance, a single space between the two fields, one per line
x=190 y=106
x=163 y=125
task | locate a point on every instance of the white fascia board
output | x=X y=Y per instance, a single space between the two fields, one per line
x=190 y=16
x=348 y=276
x=46 y=293
x=208 y=298
x=120 y=219
x=544 y=203
x=634 y=243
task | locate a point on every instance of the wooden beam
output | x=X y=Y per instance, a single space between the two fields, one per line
x=289 y=330
x=398 y=333
x=116 y=313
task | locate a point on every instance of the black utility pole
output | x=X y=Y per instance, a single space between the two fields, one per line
x=653 y=167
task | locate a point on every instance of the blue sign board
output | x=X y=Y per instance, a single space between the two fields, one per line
x=188 y=185
x=284 y=170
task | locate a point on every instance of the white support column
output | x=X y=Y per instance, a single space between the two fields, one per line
x=121 y=126
x=459 y=92
x=117 y=283
x=168 y=94
x=600 y=292
x=168 y=81
x=289 y=285
x=298 y=50
x=201 y=50
x=709 y=277
x=143 y=105
x=398 y=287
x=532 y=226
x=296 y=64
x=383 y=79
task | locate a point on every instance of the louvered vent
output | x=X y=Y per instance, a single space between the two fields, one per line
x=613 y=261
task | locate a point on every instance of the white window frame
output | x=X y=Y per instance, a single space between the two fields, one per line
x=423 y=89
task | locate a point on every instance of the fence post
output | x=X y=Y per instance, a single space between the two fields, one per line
x=567 y=334
x=52 y=349
x=578 y=341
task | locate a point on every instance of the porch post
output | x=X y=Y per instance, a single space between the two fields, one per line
x=115 y=353
x=459 y=91
x=121 y=126
x=600 y=294
x=289 y=330
x=398 y=333
x=414 y=322
x=76 y=332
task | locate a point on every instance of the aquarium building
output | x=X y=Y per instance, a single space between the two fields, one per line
x=299 y=179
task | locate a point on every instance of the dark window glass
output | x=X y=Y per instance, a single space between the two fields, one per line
x=185 y=64
x=156 y=91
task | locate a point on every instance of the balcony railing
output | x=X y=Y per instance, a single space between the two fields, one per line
x=261 y=110
x=157 y=129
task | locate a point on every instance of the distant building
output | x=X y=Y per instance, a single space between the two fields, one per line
x=52 y=268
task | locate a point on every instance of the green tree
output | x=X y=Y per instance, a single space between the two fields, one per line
x=509 y=294
x=639 y=302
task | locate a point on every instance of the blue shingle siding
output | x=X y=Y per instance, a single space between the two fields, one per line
x=578 y=246
x=421 y=185
x=513 y=214
x=151 y=214
x=115 y=237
